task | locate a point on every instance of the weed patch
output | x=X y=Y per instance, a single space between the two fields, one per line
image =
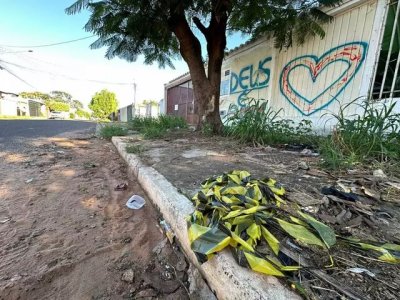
x=365 y=138
x=155 y=128
x=260 y=124
x=135 y=149
x=109 y=131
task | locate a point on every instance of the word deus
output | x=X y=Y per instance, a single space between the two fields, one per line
x=250 y=79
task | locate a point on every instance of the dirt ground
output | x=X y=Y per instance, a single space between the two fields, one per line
x=187 y=158
x=66 y=234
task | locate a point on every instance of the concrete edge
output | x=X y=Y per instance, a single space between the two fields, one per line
x=225 y=277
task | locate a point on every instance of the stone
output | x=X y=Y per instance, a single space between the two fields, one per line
x=146 y=293
x=379 y=173
x=303 y=165
x=128 y=276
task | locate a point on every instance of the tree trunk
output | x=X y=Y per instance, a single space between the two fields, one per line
x=206 y=87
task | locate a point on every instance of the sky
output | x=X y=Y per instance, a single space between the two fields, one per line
x=71 y=67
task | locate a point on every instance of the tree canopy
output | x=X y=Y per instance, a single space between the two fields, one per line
x=163 y=30
x=103 y=104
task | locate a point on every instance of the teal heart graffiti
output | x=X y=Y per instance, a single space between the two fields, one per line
x=351 y=54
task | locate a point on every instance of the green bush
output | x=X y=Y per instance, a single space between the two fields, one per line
x=260 y=124
x=109 y=131
x=82 y=114
x=57 y=106
x=154 y=128
x=371 y=136
x=71 y=115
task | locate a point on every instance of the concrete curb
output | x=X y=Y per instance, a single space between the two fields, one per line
x=224 y=276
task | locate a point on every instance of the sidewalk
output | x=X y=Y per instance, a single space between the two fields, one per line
x=171 y=170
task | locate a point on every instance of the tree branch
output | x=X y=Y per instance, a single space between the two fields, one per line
x=200 y=26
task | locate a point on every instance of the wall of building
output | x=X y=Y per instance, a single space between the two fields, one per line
x=309 y=80
x=8 y=107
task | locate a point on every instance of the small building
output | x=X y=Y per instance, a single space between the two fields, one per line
x=358 y=58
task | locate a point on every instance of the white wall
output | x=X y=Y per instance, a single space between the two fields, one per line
x=313 y=79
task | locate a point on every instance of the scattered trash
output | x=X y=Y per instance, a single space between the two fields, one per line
x=121 y=187
x=379 y=173
x=303 y=165
x=60 y=152
x=128 y=276
x=361 y=270
x=335 y=192
x=135 y=202
x=168 y=231
x=308 y=152
x=249 y=214
x=29 y=180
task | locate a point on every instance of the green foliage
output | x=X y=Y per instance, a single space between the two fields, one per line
x=207 y=130
x=260 y=124
x=135 y=149
x=53 y=105
x=153 y=128
x=77 y=104
x=131 y=28
x=103 y=104
x=109 y=131
x=61 y=96
x=83 y=114
x=35 y=95
x=72 y=116
x=152 y=102
x=372 y=135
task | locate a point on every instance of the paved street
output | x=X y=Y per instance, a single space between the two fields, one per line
x=15 y=133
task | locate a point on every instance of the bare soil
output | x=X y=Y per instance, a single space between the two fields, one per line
x=188 y=158
x=65 y=233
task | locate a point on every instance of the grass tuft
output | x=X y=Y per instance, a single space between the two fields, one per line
x=155 y=128
x=260 y=124
x=372 y=136
x=109 y=131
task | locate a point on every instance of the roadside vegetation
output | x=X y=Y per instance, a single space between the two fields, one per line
x=260 y=124
x=153 y=128
x=108 y=131
x=371 y=137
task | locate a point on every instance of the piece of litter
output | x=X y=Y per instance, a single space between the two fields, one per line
x=361 y=270
x=168 y=231
x=29 y=180
x=121 y=187
x=135 y=202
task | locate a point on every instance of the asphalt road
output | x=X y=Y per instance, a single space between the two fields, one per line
x=14 y=133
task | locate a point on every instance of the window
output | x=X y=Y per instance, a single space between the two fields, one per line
x=387 y=78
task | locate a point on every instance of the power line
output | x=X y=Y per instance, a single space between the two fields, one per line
x=16 y=76
x=49 y=45
x=65 y=76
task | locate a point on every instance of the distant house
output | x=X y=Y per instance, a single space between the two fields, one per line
x=13 y=105
x=358 y=58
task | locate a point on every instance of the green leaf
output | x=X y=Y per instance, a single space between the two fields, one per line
x=325 y=232
x=300 y=233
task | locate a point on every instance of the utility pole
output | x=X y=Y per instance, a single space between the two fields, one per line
x=134 y=99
